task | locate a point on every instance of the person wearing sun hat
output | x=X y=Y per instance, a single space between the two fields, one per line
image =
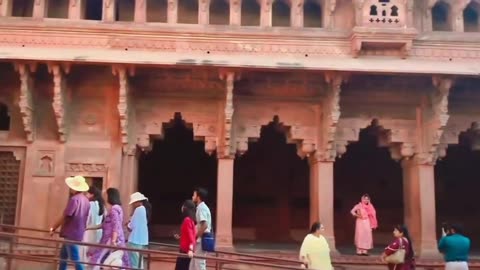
x=73 y=221
x=138 y=227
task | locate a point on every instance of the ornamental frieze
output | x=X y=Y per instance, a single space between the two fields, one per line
x=241 y=44
x=85 y=167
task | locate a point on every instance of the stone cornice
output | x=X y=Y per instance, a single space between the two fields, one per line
x=283 y=61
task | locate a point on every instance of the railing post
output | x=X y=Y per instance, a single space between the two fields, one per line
x=10 y=248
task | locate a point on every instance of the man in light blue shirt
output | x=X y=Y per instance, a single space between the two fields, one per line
x=138 y=227
x=204 y=225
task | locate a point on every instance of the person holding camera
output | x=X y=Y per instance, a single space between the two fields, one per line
x=455 y=247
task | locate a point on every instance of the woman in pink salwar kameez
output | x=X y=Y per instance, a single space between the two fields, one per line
x=366 y=221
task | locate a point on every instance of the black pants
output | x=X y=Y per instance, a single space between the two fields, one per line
x=183 y=263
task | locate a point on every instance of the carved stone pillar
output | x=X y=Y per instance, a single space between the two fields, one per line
x=266 y=12
x=328 y=9
x=224 y=203
x=129 y=173
x=140 y=15
x=172 y=11
x=6 y=8
x=203 y=12
x=75 y=9
x=419 y=201
x=236 y=12
x=39 y=9
x=296 y=13
x=25 y=101
x=321 y=196
x=226 y=154
x=458 y=7
x=109 y=7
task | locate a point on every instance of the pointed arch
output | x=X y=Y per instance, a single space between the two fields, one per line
x=442 y=16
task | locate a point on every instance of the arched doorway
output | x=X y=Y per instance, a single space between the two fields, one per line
x=168 y=174
x=457 y=185
x=271 y=190
x=367 y=168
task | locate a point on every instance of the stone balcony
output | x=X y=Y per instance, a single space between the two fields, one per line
x=383 y=24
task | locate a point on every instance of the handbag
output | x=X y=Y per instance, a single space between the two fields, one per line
x=399 y=256
x=208 y=242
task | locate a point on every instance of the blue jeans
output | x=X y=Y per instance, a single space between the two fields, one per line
x=71 y=252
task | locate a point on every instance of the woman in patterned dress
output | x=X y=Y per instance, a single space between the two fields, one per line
x=112 y=230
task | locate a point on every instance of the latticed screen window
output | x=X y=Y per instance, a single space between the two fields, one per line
x=9 y=178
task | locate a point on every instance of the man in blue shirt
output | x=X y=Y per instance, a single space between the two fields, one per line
x=455 y=248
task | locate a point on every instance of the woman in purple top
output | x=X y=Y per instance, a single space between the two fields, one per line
x=112 y=230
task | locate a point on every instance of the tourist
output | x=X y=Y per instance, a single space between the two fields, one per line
x=204 y=226
x=366 y=217
x=315 y=252
x=138 y=227
x=399 y=255
x=112 y=230
x=95 y=218
x=455 y=247
x=73 y=222
x=187 y=235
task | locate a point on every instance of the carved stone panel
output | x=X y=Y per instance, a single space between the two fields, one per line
x=86 y=169
x=45 y=163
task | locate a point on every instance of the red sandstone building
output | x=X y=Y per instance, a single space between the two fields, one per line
x=287 y=111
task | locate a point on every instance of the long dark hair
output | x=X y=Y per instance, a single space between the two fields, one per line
x=113 y=196
x=97 y=196
x=188 y=210
x=148 y=209
x=403 y=229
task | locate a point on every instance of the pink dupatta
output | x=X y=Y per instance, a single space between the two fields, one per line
x=372 y=214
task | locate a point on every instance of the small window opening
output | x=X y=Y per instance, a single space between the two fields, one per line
x=394 y=11
x=250 y=13
x=22 y=8
x=312 y=14
x=188 y=11
x=219 y=12
x=441 y=17
x=280 y=14
x=470 y=17
x=4 y=118
x=94 y=10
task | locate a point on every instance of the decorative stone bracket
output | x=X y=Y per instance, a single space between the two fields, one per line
x=59 y=103
x=225 y=147
x=327 y=150
x=432 y=118
x=124 y=107
x=26 y=98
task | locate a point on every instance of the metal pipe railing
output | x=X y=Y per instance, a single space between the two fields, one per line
x=149 y=252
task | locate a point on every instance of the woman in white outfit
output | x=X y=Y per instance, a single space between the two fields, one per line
x=95 y=218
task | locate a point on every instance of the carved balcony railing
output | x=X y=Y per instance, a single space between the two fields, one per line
x=386 y=24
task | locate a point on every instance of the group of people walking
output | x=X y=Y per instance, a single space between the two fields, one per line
x=398 y=255
x=97 y=218
x=93 y=217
